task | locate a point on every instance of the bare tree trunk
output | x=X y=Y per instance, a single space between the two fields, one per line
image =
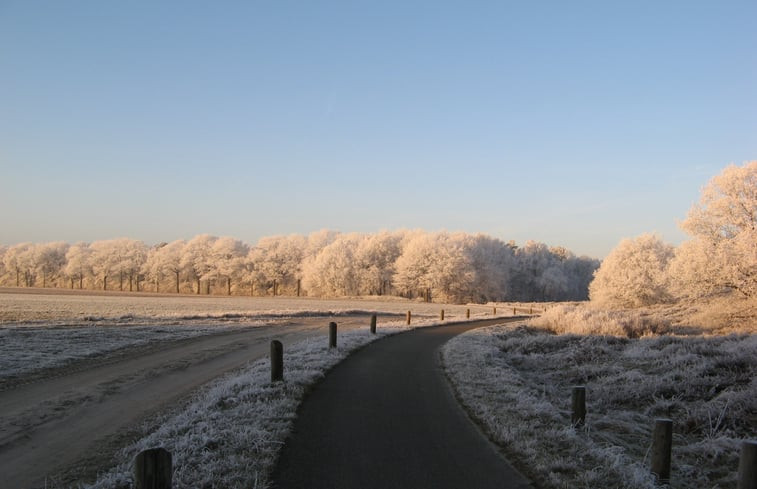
x=177 y=282
x=198 y=286
x=81 y=281
x=121 y=281
x=105 y=282
x=18 y=278
x=131 y=280
x=228 y=286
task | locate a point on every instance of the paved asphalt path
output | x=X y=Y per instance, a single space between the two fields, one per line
x=386 y=417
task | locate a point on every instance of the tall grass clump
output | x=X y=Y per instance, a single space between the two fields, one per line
x=582 y=320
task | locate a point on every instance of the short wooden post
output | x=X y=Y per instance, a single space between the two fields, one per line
x=662 y=444
x=441 y=315
x=373 y=324
x=467 y=314
x=409 y=315
x=153 y=469
x=578 y=417
x=277 y=361
x=748 y=465
x=332 y=335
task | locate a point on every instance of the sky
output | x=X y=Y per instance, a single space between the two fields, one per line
x=574 y=123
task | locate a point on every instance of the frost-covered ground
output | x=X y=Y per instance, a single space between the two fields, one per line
x=50 y=327
x=517 y=380
x=230 y=433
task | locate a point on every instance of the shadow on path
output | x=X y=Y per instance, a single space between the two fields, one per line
x=386 y=417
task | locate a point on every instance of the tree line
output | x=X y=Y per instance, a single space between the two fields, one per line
x=435 y=266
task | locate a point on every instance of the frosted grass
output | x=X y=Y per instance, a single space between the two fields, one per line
x=516 y=381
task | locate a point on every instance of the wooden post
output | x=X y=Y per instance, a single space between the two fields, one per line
x=277 y=361
x=441 y=315
x=409 y=315
x=467 y=314
x=153 y=469
x=748 y=465
x=373 y=324
x=332 y=335
x=662 y=443
x=578 y=417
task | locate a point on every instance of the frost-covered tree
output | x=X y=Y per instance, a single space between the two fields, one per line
x=50 y=260
x=436 y=266
x=278 y=262
x=16 y=261
x=634 y=274
x=78 y=264
x=3 y=249
x=332 y=271
x=197 y=259
x=227 y=257
x=164 y=260
x=492 y=262
x=723 y=253
x=375 y=258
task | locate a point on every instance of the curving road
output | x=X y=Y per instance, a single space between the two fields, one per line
x=386 y=417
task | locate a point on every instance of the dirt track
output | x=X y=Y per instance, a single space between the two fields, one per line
x=67 y=425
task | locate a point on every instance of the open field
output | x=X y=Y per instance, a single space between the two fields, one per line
x=85 y=375
x=516 y=381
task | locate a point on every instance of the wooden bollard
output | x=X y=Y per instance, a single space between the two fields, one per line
x=467 y=314
x=153 y=469
x=748 y=466
x=578 y=401
x=332 y=335
x=662 y=444
x=373 y=324
x=409 y=315
x=441 y=315
x=277 y=361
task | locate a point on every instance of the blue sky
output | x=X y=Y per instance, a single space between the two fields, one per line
x=572 y=123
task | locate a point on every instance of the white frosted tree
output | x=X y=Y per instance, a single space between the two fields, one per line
x=278 y=262
x=492 y=262
x=436 y=266
x=723 y=252
x=16 y=261
x=196 y=259
x=634 y=274
x=104 y=260
x=164 y=260
x=78 y=264
x=227 y=257
x=50 y=260
x=3 y=249
x=332 y=271
x=375 y=258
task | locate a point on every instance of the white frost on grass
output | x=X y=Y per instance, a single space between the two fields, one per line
x=516 y=380
x=27 y=349
x=230 y=433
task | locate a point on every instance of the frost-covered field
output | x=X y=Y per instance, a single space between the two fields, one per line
x=44 y=330
x=230 y=433
x=517 y=380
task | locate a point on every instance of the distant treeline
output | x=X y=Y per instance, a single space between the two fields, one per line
x=439 y=266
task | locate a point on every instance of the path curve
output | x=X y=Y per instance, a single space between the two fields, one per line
x=387 y=417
